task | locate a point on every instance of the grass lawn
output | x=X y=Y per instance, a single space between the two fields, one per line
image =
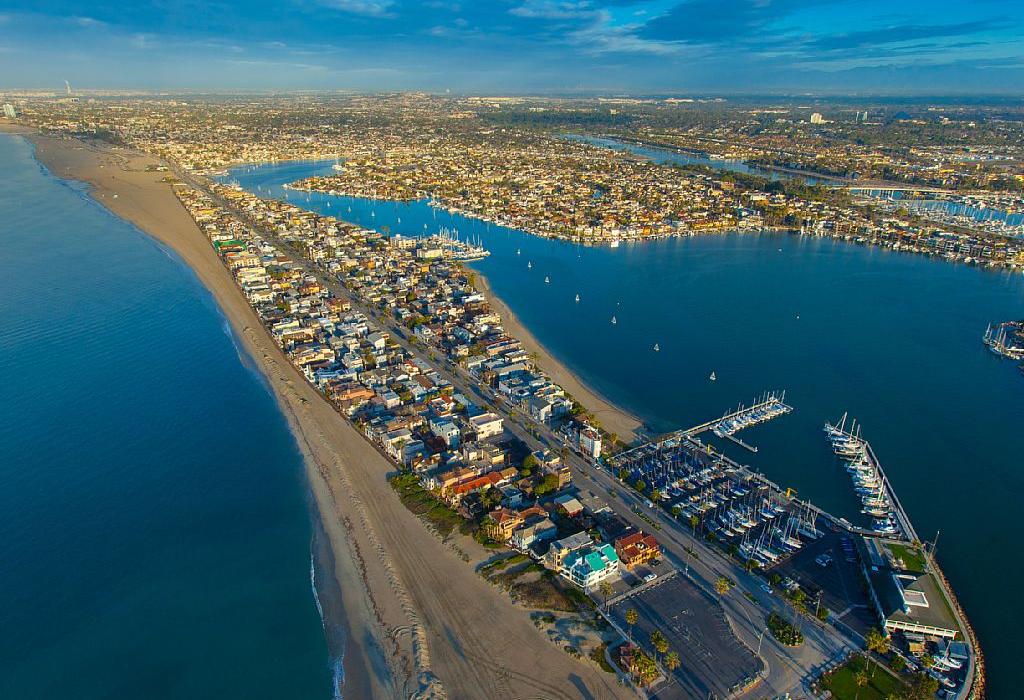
x=880 y=684
x=913 y=559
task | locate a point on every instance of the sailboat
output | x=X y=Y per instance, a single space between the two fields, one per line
x=713 y=377
x=519 y=251
x=577 y=298
x=614 y=321
x=547 y=280
x=529 y=265
x=657 y=348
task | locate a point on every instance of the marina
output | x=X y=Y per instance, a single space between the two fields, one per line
x=870 y=483
x=695 y=268
x=1006 y=339
x=769 y=406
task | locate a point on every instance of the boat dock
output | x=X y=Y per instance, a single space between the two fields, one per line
x=770 y=405
x=875 y=487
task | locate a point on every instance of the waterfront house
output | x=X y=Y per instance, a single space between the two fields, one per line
x=636 y=548
x=560 y=549
x=588 y=566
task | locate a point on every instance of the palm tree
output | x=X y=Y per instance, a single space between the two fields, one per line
x=659 y=642
x=671 y=661
x=877 y=642
x=860 y=679
x=631 y=619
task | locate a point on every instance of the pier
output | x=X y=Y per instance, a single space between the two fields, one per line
x=899 y=515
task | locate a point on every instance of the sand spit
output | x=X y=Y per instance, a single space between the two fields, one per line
x=423 y=623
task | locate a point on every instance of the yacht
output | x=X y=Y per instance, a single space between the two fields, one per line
x=615 y=243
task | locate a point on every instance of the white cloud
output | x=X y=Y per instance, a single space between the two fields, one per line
x=367 y=8
x=554 y=9
x=602 y=36
x=88 y=22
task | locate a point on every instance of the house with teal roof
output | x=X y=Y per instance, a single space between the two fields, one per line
x=589 y=566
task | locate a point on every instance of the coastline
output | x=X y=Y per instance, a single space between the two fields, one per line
x=420 y=621
x=612 y=418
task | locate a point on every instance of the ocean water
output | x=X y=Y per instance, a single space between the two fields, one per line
x=155 y=529
x=893 y=338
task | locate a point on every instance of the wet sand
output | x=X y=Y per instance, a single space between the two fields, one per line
x=612 y=418
x=420 y=622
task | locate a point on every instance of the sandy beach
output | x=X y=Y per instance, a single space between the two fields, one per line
x=420 y=622
x=612 y=418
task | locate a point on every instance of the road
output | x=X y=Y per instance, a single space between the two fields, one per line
x=788 y=668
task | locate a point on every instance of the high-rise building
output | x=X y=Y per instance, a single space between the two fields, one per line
x=816 y=118
x=9 y=111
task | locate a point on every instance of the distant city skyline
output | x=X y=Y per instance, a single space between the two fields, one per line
x=517 y=46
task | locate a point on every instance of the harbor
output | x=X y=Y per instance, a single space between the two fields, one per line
x=1006 y=339
x=812 y=554
x=585 y=271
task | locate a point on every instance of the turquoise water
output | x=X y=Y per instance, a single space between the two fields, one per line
x=155 y=531
x=893 y=338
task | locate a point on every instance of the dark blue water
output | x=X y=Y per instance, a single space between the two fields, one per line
x=665 y=156
x=893 y=338
x=154 y=526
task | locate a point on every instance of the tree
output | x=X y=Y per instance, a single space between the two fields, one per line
x=860 y=679
x=655 y=495
x=671 y=661
x=547 y=485
x=606 y=588
x=676 y=511
x=644 y=667
x=623 y=474
x=631 y=619
x=923 y=687
x=640 y=485
x=877 y=642
x=722 y=585
x=694 y=522
x=659 y=642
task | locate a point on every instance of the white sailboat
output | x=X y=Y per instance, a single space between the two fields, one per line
x=577 y=298
x=547 y=280
x=713 y=377
x=529 y=265
x=614 y=320
x=657 y=348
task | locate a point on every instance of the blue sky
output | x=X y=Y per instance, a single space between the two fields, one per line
x=493 y=46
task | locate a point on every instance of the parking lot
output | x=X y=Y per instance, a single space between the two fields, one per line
x=839 y=582
x=713 y=662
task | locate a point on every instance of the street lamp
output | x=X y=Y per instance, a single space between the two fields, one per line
x=759 y=640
